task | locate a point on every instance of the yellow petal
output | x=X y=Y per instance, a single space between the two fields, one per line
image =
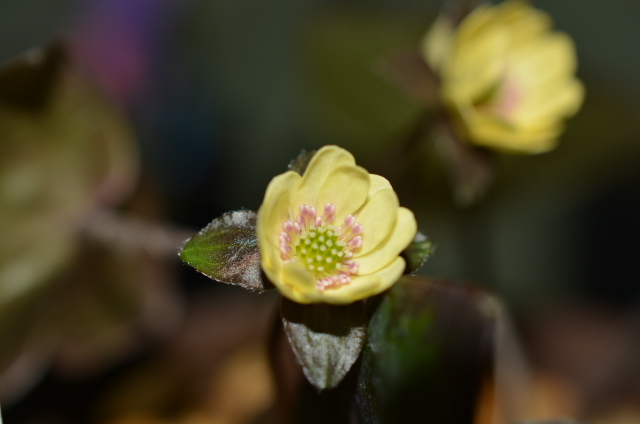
x=476 y=66
x=273 y=212
x=543 y=72
x=273 y=269
x=475 y=23
x=364 y=286
x=298 y=284
x=436 y=45
x=402 y=235
x=550 y=56
x=378 y=183
x=557 y=100
x=489 y=130
x=323 y=163
x=495 y=134
x=346 y=187
x=378 y=217
x=509 y=80
x=524 y=22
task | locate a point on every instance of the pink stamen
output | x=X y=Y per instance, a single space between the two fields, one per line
x=302 y=222
x=333 y=281
x=350 y=220
x=285 y=237
x=354 y=267
x=509 y=96
x=284 y=251
x=305 y=210
x=288 y=226
x=356 y=242
x=329 y=212
x=329 y=208
x=292 y=243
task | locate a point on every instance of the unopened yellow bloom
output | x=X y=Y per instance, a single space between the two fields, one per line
x=335 y=234
x=509 y=80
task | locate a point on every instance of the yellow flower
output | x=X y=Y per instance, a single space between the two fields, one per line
x=506 y=76
x=335 y=234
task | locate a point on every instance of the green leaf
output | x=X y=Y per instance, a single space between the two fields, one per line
x=299 y=164
x=417 y=253
x=429 y=348
x=227 y=250
x=326 y=339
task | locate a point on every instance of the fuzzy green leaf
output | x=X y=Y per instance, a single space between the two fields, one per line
x=417 y=253
x=326 y=339
x=299 y=164
x=227 y=250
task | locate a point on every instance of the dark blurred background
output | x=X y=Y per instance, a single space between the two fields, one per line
x=212 y=99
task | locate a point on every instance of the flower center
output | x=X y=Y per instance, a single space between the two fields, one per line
x=509 y=97
x=322 y=247
x=503 y=99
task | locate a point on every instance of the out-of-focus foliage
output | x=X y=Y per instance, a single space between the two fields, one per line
x=216 y=370
x=66 y=156
x=428 y=351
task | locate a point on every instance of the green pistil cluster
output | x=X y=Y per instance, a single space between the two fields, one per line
x=320 y=250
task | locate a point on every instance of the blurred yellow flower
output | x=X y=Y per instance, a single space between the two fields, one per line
x=335 y=234
x=509 y=80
